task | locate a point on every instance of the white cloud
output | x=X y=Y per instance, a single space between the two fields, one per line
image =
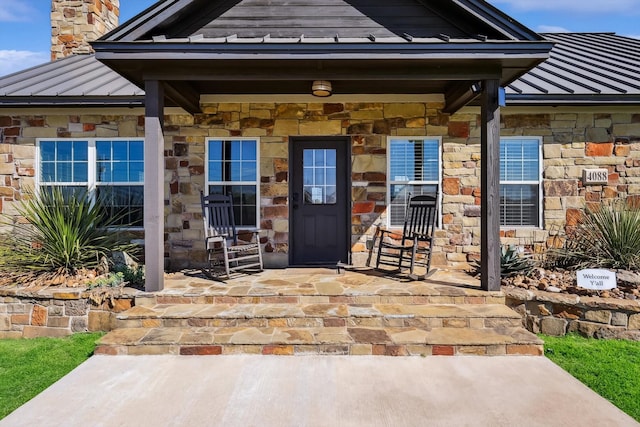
x=15 y=11
x=16 y=60
x=584 y=6
x=551 y=29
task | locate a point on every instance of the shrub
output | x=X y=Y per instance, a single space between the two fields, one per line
x=62 y=232
x=513 y=261
x=605 y=237
x=132 y=276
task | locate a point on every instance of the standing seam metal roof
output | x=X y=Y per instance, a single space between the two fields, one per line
x=590 y=67
x=583 y=65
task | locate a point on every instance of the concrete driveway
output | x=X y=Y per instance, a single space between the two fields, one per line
x=317 y=391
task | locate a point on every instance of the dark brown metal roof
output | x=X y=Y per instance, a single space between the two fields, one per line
x=582 y=68
x=326 y=18
x=279 y=46
x=76 y=80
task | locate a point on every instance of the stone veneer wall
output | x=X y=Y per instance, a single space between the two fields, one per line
x=573 y=139
x=558 y=314
x=75 y=23
x=55 y=312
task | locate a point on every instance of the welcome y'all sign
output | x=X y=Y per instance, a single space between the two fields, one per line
x=596 y=279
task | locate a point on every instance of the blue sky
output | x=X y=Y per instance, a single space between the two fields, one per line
x=25 y=32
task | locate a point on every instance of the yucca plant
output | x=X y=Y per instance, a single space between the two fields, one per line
x=62 y=232
x=605 y=237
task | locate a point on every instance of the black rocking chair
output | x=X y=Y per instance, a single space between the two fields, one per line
x=227 y=248
x=416 y=239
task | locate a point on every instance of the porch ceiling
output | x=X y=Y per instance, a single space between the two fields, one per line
x=190 y=70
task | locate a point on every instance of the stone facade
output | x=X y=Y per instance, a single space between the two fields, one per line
x=76 y=23
x=573 y=139
x=558 y=314
x=55 y=313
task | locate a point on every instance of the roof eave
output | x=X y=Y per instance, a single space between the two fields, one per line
x=538 y=49
x=578 y=100
x=70 y=101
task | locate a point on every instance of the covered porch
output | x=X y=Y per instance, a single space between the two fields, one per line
x=187 y=54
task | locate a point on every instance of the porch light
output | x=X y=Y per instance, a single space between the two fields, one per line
x=321 y=88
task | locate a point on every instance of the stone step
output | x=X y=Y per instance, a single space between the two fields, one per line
x=398 y=297
x=343 y=340
x=475 y=316
x=307 y=287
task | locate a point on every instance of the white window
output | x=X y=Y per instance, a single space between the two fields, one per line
x=520 y=181
x=413 y=168
x=109 y=169
x=232 y=169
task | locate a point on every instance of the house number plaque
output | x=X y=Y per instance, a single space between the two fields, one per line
x=595 y=176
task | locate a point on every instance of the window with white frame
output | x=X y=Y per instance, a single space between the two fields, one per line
x=413 y=168
x=109 y=169
x=520 y=181
x=232 y=169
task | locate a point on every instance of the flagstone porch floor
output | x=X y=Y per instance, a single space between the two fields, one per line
x=320 y=311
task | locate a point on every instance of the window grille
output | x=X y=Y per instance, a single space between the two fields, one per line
x=520 y=182
x=413 y=168
x=111 y=170
x=232 y=169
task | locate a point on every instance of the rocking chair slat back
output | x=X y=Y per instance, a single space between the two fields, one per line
x=218 y=216
x=421 y=215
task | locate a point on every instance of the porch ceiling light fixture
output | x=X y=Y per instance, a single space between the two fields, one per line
x=321 y=88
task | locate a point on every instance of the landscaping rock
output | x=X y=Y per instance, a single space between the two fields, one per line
x=564 y=282
x=553 y=326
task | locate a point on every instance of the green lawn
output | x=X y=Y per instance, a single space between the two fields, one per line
x=27 y=367
x=609 y=367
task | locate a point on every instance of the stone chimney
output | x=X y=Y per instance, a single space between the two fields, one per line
x=75 y=23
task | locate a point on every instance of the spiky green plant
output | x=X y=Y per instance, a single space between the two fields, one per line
x=605 y=237
x=513 y=262
x=61 y=232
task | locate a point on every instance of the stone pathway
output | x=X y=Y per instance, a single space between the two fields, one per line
x=316 y=311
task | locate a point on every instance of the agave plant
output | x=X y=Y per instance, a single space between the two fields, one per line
x=605 y=237
x=513 y=261
x=61 y=232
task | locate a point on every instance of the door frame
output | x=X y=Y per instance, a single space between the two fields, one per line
x=347 y=179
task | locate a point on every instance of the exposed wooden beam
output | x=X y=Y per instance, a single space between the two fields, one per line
x=458 y=96
x=184 y=95
x=298 y=73
x=154 y=186
x=306 y=70
x=490 y=187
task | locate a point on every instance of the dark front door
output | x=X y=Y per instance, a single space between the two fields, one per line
x=319 y=195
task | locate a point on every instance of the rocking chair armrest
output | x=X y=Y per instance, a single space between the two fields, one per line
x=255 y=233
x=217 y=238
x=384 y=231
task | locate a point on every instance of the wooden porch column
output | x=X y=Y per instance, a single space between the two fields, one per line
x=154 y=186
x=490 y=187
